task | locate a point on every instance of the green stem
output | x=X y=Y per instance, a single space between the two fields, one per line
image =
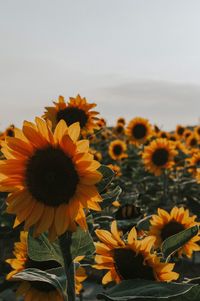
x=65 y=241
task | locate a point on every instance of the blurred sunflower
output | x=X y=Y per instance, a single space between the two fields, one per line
x=121 y=120
x=156 y=129
x=9 y=132
x=197 y=131
x=194 y=162
x=192 y=140
x=129 y=259
x=76 y=110
x=180 y=131
x=119 y=129
x=163 y=134
x=51 y=177
x=117 y=149
x=159 y=155
x=139 y=130
x=97 y=155
x=165 y=224
x=187 y=133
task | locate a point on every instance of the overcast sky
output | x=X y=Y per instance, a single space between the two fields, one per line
x=131 y=57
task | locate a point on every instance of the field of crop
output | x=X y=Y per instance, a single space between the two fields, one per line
x=96 y=212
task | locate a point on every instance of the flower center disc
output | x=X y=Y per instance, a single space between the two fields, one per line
x=130 y=266
x=117 y=150
x=160 y=157
x=139 y=131
x=170 y=229
x=72 y=115
x=51 y=177
x=180 y=131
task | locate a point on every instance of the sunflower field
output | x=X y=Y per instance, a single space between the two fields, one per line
x=96 y=212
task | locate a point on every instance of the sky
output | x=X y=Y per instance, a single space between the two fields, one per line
x=131 y=57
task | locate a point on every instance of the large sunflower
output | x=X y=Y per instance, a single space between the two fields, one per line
x=139 y=130
x=76 y=110
x=165 y=224
x=129 y=259
x=117 y=149
x=39 y=291
x=51 y=177
x=159 y=155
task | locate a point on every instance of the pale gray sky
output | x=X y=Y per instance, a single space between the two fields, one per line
x=132 y=57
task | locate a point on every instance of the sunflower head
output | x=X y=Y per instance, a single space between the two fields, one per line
x=9 y=132
x=197 y=130
x=119 y=129
x=194 y=162
x=117 y=150
x=139 y=130
x=76 y=110
x=51 y=177
x=159 y=155
x=129 y=259
x=163 y=134
x=164 y=225
x=186 y=134
x=192 y=141
x=116 y=169
x=121 y=120
x=180 y=131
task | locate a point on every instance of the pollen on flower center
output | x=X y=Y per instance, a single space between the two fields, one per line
x=160 y=157
x=51 y=177
x=139 y=131
x=72 y=115
x=129 y=265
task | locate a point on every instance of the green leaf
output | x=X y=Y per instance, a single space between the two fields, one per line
x=56 y=277
x=144 y=223
x=138 y=289
x=174 y=242
x=108 y=175
x=82 y=244
x=41 y=249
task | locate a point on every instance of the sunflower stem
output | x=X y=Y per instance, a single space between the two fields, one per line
x=65 y=241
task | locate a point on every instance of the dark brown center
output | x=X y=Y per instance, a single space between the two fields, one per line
x=129 y=265
x=160 y=157
x=170 y=229
x=117 y=149
x=180 y=131
x=51 y=177
x=71 y=115
x=139 y=131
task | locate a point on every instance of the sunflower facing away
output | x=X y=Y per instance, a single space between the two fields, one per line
x=51 y=177
x=76 y=110
x=159 y=155
x=39 y=291
x=119 y=129
x=165 y=224
x=129 y=259
x=139 y=130
x=117 y=149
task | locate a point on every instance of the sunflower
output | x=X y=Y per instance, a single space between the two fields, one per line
x=121 y=120
x=159 y=155
x=163 y=134
x=119 y=129
x=9 y=132
x=117 y=149
x=38 y=290
x=139 y=130
x=194 y=162
x=51 y=177
x=180 y=131
x=129 y=259
x=192 y=140
x=156 y=129
x=97 y=155
x=165 y=224
x=76 y=110
x=187 y=133
x=197 y=130
x=101 y=122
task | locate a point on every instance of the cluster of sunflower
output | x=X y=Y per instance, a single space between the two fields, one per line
x=69 y=173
